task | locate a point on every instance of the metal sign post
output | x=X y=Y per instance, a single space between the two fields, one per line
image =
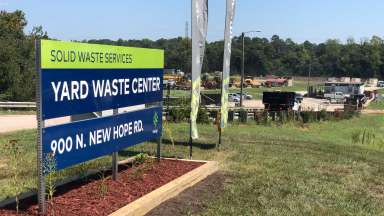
x=40 y=126
x=158 y=152
x=115 y=166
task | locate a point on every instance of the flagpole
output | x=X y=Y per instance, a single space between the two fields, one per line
x=190 y=119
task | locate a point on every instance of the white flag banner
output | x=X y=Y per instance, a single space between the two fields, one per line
x=199 y=33
x=230 y=13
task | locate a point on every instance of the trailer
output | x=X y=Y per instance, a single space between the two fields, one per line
x=282 y=101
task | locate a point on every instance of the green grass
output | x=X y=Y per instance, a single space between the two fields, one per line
x=313 y=169
x=381 y=91
x=376 y=105
x=17 y=112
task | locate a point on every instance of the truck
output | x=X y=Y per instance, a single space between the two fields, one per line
x=282 y=101
x=380 y=83
x=335 y=97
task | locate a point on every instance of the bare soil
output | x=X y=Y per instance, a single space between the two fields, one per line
x=9 y=123
x=194 y=200
x=102 y=196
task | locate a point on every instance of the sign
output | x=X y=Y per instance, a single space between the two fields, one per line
x=77 y=142
x=77 y=78
x=81 y=78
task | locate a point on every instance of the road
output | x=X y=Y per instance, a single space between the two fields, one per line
x=9 y=123
x=308 y=104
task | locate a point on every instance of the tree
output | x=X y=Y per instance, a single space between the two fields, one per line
x=17 y=56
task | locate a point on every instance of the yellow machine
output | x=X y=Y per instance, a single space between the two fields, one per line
x=174 y=77
x=252 y=83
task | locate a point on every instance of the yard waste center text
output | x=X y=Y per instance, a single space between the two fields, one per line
x=81 y=89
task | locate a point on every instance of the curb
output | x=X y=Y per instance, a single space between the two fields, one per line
x=151 y=200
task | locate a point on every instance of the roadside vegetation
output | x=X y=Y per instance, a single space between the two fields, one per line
x=257 y=93
x=324 y=168
x=376 y=105
x=17 y=112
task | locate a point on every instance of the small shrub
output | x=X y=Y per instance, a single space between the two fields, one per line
x=168 y=131
x=308 y=116
x=178 y=114
x=50 y=172
x=231 y=116
x=102 y=187
x=146 y=163
x=181 y=112
x=323 y=115
x=263 y=118
x=203 y=116
x=243 y=116
x=141 y=158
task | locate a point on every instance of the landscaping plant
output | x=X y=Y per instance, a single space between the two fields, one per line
x=50 y=171
x=103 y=187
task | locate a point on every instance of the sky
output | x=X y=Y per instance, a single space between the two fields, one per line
x=300 y=20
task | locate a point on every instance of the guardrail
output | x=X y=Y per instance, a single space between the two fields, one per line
x=10 y=104
x=13 y=104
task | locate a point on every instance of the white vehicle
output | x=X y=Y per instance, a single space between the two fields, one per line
x=335 y=97
x=380 y=83
x=245 y=95
x=233 y=97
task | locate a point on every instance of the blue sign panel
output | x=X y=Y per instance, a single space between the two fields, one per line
x=75 y=91
x=80 y=141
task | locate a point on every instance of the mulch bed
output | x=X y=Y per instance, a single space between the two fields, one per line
x=102 y=196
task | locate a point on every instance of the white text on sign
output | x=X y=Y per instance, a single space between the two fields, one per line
x=80 y=89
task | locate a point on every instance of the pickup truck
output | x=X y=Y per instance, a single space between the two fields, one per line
x=380 y=83
x=335 y=97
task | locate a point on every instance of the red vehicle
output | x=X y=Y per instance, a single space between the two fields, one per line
x=277 y=82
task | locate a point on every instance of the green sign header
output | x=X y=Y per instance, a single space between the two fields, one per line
x=60 y=54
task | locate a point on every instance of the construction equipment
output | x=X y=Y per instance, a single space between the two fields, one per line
x=252 y=83
x=276 y=82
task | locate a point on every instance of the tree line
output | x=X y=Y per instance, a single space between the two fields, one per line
x=283 y=57
x=263 y=56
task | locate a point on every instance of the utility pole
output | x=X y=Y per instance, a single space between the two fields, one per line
x=242 y=72
x=186 y=30
x=309 y=74
x=242 y=67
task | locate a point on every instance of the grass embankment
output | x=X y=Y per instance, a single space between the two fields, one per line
x=17 y=112
x=257 y=93
x=376 y=105
x=327 y=168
